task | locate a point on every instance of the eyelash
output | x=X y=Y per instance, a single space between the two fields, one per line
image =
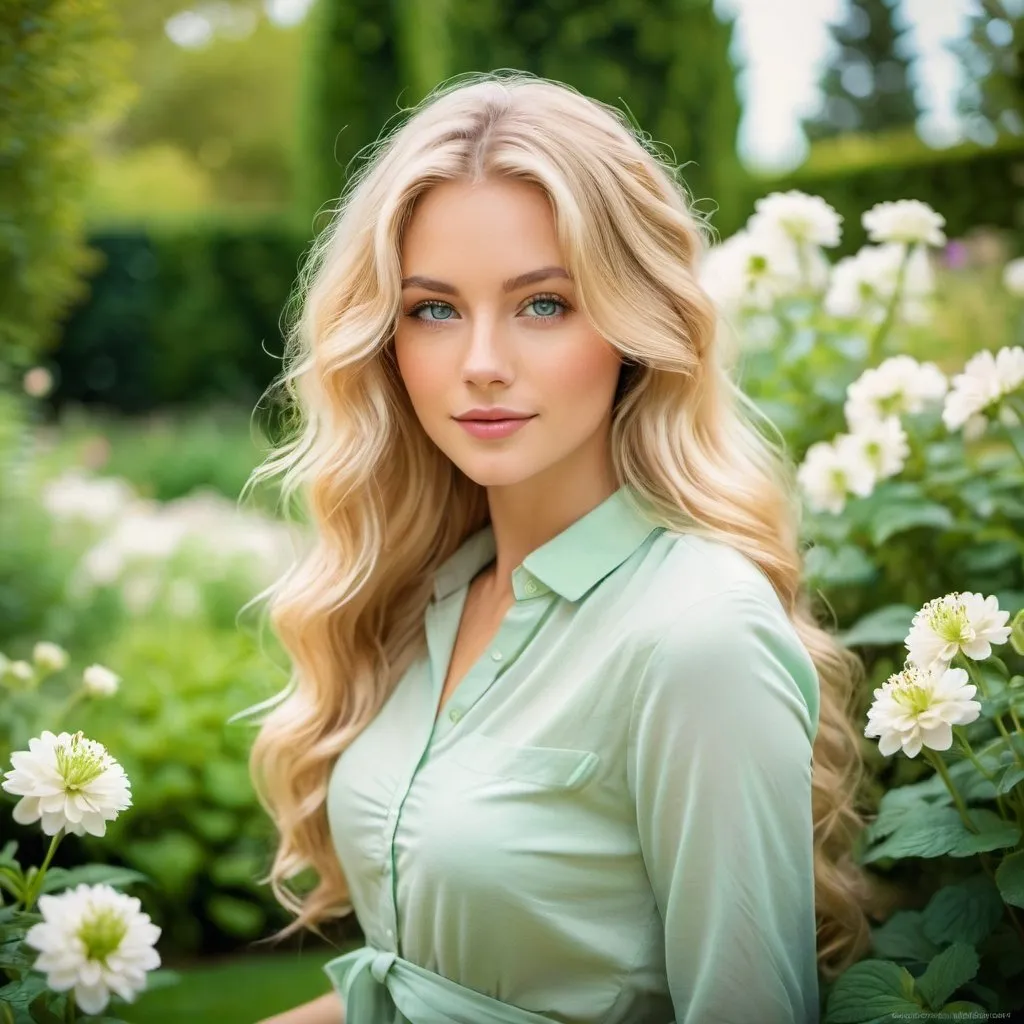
x=566 y=309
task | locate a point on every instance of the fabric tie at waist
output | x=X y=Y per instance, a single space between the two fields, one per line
x=373 y=983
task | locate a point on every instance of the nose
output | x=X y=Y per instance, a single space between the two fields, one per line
x=488 y=359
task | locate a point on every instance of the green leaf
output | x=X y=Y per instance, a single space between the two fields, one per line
x=923 y=832
x=237 y=917
x=1010 y=879
x=870 y=989
x=41 y=1012
x=964 y=1006
x=952 y=968
x=903 y=937
x=92 y=874
x=887 y=625
x=993 y=834
x=1010 y=777
x=967 y=912
x=8 y=852
x=892 y=519
x=844 y=566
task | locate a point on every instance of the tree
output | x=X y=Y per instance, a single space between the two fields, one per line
x=992 y=56
x=665 y=62
x=866 y=84
x=61 y=70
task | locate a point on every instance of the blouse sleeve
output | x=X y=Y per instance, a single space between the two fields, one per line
x=719 y=766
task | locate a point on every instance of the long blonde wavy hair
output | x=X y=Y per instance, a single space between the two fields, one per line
x=387 y=506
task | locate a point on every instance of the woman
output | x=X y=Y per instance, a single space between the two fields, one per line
x=556 y=686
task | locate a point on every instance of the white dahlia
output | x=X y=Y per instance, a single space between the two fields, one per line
x=898 y=385
x=97 y=941
x=961 y=621
x=69 y=782
x=917 y=708
x=803 y=217
x=907 y=221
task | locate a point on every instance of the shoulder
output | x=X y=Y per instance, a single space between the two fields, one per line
x=716 y=623
x=699 y=575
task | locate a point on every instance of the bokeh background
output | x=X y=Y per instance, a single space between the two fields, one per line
x=165 y=166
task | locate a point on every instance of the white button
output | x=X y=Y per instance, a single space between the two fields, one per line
x=391 y=814
x=455 y=714
x=531 y=587
x=497 y=655
x=390 y=934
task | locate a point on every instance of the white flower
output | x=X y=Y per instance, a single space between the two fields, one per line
x=38 y=382
x=97 y=941
x=48 y=656
x=905 y=220
x=803 y=217
x=863 y=285
x=1010 y=368
x=883 y=444
x=831 y=472
x=751 y=270
x=78 y=497
x=70 y=782
x=22 y=671
x=896 y=386
x=918 y=707
x=973 y=391
x=99 y=681
x=1013 y=277
x=956 y=622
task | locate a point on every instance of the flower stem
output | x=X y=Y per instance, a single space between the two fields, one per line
x=940 y=766
x=1008 y=430
x=969 y=752
x=890 y=311
x=978 y=681
x=37 y=883
x=55 y=719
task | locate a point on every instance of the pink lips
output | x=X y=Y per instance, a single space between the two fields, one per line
x=494 y=428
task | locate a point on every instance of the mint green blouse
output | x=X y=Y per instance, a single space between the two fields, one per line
x=610 y=823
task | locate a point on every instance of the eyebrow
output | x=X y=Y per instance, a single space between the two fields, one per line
x=513 y=283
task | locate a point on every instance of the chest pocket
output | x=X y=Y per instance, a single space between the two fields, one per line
x=551 y=767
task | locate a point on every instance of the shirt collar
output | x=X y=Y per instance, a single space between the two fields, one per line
x=570 y=563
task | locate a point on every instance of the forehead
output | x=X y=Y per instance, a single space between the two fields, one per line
x=491 y=224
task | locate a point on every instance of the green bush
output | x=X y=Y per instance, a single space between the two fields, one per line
x=195 y=826
x=180 y=314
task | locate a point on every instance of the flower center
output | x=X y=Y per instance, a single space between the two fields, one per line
x=102 y=933
x=80 y=761
x=915 y=698
x=948 y=620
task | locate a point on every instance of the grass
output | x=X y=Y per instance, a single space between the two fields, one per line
x=236 y=991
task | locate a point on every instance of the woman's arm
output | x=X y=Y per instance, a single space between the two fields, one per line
x=325 y=1010
x=720 y=751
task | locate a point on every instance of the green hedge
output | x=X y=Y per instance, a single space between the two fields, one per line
x=970 y=185
x=180 y=315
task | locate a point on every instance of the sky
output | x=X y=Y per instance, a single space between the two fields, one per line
x=783 y=45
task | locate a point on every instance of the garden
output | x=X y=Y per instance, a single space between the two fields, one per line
x=874 y=309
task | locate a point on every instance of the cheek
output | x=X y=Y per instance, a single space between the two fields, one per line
x=423 y=377
x=586 y=374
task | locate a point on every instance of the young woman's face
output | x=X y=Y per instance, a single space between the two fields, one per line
x=472 y=336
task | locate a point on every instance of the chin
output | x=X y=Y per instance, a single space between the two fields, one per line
x=496 y=470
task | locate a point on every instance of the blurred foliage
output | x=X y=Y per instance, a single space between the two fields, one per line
x=180 y=313
x=667 y=64
x=165 y=455
x=991 y=52
x=61 y=73
x=352 y=84
x=866 y=83
x=227 y=108
x=971 y=185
